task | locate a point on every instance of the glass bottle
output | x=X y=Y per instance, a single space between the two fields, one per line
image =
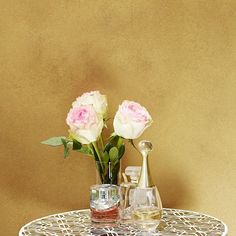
x=127 y=187
x=147 y=206
x=104 y=203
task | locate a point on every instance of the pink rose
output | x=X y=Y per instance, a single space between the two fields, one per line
x=131 y=120
x=85 y=124
x=94 y=98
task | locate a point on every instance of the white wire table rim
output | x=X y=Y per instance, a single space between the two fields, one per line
x=173 y=222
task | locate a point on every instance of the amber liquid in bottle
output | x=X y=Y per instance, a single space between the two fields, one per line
x=104 y=203
x=107 y=215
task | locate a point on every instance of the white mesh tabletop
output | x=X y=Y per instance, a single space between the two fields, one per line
x=75 y=223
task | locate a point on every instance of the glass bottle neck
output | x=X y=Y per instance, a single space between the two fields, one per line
x=145 y=179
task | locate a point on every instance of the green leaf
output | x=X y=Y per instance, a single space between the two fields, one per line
x=113 y=153
x=76 y=145
x=107 y=148
x=121 y=151
x=114 y=140
x=54 y=141
x=85 y=150
x=115 y=171
x=105 y=156
x=66 y=148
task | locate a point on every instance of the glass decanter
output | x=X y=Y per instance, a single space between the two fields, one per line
x=147 y=206
x=127 y=188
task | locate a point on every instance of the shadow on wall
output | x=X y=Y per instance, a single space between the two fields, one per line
x=94 y=72
x=87 y=68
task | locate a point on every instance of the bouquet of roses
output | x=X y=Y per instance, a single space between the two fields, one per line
x=88 y=117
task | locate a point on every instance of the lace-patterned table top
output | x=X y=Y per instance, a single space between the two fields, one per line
x=75 y=223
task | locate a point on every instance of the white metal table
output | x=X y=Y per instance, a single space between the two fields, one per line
x=75 y=223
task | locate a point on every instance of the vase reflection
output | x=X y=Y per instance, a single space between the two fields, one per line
x=108 y=172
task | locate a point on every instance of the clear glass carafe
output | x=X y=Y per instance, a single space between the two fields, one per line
x=127 y=188
x=147 y=208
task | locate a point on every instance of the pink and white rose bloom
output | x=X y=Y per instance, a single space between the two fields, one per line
x=131 y=120
x=94 y=98
x=85 y=123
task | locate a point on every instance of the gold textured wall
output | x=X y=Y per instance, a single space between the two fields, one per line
x=177 y=58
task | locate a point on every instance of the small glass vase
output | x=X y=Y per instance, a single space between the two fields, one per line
x=104 y=196
x=108 y=172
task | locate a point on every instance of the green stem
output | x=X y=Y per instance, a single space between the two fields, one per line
x=98 y=153
x=90 y=146
x=132 y=143
x=102 y=143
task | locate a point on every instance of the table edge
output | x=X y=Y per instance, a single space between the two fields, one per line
x=225 y=233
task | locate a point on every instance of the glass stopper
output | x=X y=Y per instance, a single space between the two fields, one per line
x=145 y=147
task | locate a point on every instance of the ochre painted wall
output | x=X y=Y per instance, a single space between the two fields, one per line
x=177 y=58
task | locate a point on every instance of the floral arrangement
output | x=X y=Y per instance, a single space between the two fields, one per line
x=88 y=117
